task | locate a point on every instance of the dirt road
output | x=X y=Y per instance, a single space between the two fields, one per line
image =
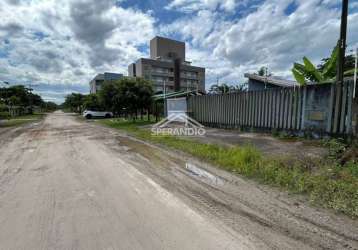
x=70 y=184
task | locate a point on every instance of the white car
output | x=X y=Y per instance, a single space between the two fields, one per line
x=97 y=114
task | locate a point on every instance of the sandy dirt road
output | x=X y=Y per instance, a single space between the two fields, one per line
x=71 y=184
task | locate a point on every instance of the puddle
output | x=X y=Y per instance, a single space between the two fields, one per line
x=199 y=172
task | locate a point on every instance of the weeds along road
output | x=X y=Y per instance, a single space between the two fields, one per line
x=71 y=184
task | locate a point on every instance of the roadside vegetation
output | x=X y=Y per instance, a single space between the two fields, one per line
x=328 y=183
x=20 y=120
x=128 y=97
x=18 y=105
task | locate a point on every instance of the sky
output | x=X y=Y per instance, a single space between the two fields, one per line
x=58 y=46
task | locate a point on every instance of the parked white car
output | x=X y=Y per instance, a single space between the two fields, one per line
x=97 y=114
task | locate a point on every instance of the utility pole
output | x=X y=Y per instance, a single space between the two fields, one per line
x=340 y=64
x=31 y=101
x=342 y=43
x=266 y=75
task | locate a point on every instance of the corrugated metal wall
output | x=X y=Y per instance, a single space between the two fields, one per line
x=322 y=108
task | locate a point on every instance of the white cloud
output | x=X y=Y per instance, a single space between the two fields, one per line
x=69 y=41
x=195 y=5
x=353 y=5
x=266 y=36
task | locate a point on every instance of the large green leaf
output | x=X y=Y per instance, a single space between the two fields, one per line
x=300 y=78
x=330 y=65
x=349 y=72
x=303 y=70
x=312 y=69
x=300 y=68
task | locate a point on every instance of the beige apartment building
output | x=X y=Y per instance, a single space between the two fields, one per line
x=168 y=67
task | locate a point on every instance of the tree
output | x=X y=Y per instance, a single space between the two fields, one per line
x=238 y=88
x=91 y=102
x=261 y=71
x=349 y=64
x=129 y=94
x=325 y=72
x=219 y=89
x=225 y=88
x=107 y=95
x=49 y=106
x=145 y=91
x=20 y=97
x=74 y=102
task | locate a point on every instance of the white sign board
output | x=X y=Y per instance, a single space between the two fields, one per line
x=176 y=106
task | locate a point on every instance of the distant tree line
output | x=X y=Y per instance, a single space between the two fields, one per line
x=18 y=100
x=127 y=96
x=226 y=88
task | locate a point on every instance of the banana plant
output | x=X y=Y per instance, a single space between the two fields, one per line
x=308 y=72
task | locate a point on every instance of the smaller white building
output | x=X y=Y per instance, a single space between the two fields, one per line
x=98 y=80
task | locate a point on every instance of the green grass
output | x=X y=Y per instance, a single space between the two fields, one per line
x=325 y=182
x=20 y=120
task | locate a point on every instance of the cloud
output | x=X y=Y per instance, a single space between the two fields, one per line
x=270 y=35
x=195 y=5
x=69 y=41
x=10 y=29
x=57 y=92
x=13 y=2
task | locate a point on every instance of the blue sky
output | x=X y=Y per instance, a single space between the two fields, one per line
x=58 y=46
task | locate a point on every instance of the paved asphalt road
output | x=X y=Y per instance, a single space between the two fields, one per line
x=71 y=184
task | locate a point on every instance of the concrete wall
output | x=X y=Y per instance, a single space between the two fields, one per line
x=317 y=107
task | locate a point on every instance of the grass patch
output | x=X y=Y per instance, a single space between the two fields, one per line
x=325 y=182
x=20 y=120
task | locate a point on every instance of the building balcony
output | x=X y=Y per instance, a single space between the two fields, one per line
x=158 y=73
x=189 y=76
x=161 y=83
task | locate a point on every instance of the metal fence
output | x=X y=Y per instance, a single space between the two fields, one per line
x=323 y=108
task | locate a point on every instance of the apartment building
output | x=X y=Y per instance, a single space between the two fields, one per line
x=99 y=79
x=167 y=66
